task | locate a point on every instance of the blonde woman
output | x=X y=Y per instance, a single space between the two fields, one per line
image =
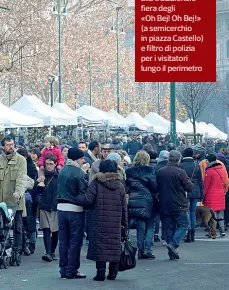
x=141 y=187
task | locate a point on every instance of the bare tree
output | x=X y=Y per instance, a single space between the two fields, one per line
x=195 y=97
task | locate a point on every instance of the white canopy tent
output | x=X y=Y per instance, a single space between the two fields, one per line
x=139 y=122
x=119 y=118
x=13 y=119
x=208 y=132
x=65 y=109
x=31 y=105
x=158 y=122
x=219 y=134
x=1 y=125
x=93 y=114
x=190 y=127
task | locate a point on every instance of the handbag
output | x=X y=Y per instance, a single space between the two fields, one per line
x=38 y=207
x=127 y=259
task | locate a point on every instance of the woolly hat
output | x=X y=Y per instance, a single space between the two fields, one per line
x=211 y=157
x=221 y=157
x=198 y=149
x=164 y=155
x=115 y=157
x=188 y=152
x=75 y=154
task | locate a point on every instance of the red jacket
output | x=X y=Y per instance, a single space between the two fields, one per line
x=215 y=186
x=56 y=151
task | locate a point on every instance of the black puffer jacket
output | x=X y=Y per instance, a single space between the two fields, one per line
x=141 y=186
x=47 y=196
x=192 y=168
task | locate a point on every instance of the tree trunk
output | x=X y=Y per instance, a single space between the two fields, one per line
x=194 y=130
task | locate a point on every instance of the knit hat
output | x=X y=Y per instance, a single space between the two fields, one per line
x=127 y=159
x=221 y=157
x=115 y=157
x=198 y=149
x=75 y=153
x=164 y=155
x=211 y=157
x=188 y=152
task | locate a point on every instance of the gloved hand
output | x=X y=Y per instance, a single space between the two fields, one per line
x=16 y=196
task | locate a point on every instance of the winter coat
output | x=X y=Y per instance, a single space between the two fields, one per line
x=107 y=199
x=89 y=158
x=173 y=183
x=71 y=182
x=203 y=165
x=47 y=196
x=56 y=151
x=160 y=165
x=192 y=168
x=215 y=186
x=141 y=187
x=133 y=147
x=94 y=169
x=152 y=162
x=13 y=178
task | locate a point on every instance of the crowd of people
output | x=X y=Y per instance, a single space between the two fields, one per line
x=94 y=191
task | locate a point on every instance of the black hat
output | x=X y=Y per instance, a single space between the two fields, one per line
x=75 y=154
x=188 y=152
x=211 y=157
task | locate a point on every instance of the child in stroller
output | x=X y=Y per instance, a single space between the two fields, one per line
x=8 y=255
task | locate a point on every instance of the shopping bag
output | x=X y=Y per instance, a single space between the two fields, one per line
x=127 y=260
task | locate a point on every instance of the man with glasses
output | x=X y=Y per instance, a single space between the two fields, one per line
x=13 y=178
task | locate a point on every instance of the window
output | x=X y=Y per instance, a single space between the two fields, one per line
x=227 y=48
x=217 y=51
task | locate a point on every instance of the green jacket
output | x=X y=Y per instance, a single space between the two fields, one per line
x=13 y=178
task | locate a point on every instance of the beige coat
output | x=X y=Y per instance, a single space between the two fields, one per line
x=13 y=177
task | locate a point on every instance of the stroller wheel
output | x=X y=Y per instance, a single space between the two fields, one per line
x=6 y=262
x=18 y=259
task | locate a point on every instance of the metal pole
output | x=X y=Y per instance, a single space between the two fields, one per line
x=158 y=98
x=9 y=95
x=117 y=55
x=173 y=111
x=59 y=52
x=52 y=92
x=90 y=80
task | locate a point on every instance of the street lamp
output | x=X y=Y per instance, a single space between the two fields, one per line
x=173 y=111
x=90 y=76
x=52 y=79
x=118 y=33
x=60 y=9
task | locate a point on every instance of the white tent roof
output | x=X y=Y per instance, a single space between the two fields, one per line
x=190 y=127
x=13 y=119
x=181 y=127
x=219 y=134
x=139 y=122
x=65 y=109
x=31 y=105
x=158 y=122
x=96 y=115
x=208 y=131
x=119 y=118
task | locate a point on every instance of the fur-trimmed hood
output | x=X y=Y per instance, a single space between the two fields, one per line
x=110 y=180
x=213 y=164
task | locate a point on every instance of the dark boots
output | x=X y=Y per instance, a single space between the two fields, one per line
x=100 y=276
x=187 y=239
x=26 y=250
x=146 y=254
x=192 y=236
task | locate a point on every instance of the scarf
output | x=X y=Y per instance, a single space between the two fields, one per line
x=8 y=156
x=92 y=155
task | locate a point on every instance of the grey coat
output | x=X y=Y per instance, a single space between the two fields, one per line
x=107 y=199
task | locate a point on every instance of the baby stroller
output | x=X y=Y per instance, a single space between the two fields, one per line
x=8 y=254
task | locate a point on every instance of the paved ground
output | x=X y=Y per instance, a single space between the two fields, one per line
x=203 y=265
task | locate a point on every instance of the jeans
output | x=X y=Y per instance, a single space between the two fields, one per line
x=145 y=230
x=32 y=237
x=176 y=227
x=192 y=213
x=219 y=214
x=71 y=231
x=18 y=224
x=156 y=224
